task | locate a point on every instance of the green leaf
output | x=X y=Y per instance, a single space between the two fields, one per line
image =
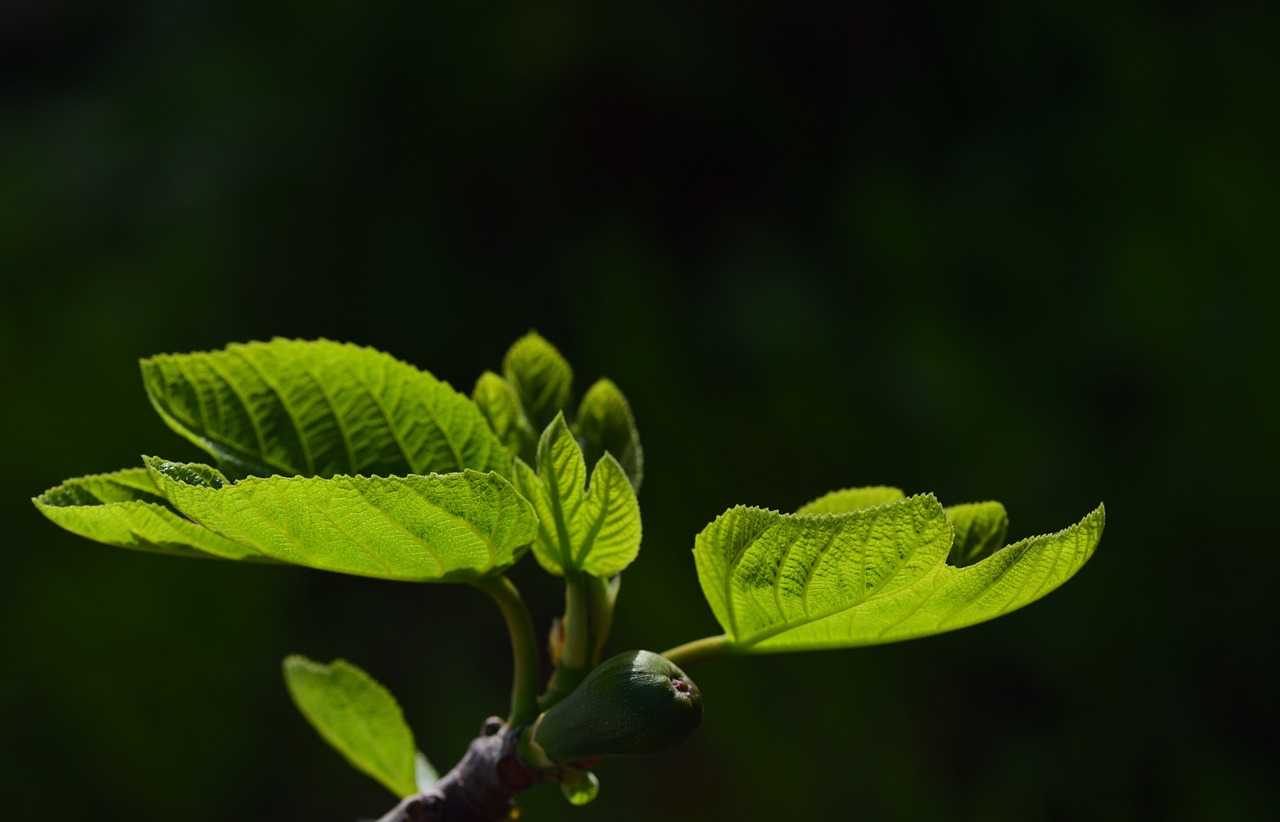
x=541 y=377
x=424 y=773
x=605 y=424
x=951 y=598
x=498 y=402
x=125 y=509
x=437 y=527
x=851 y=499
x=358 y=717
x=593 y=528
x=799 y=582
x=980 y=529
x=319 y=408
x=766 y=573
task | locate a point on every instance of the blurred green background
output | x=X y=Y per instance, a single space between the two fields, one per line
x=1010 y=251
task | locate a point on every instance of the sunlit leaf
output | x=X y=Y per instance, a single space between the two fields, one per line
x=851 y=499
x=980 y=529
x=319 y=408
x=438 y=527
x=591 y=527
x=792 y=582
x=498 y=402
x=541 y=377
x=605 y=425
x=358 y=717
x=125 y=509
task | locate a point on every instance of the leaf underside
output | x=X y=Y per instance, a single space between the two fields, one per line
x=500 y=405
x=437 y=527
x=541 y=377
x=358 y=717
x=980 y=530
x=591 y=527
x=805 y=581
x=126 y=509
x=605 y=424
x=851 y=499
x=319 y=408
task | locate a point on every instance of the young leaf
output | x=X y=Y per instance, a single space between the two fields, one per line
x=605 y=424
x=319 y=408
x=980 y=528
x=766 y=573
x=125 y=509
x=424 y=773
x=593 y=528
x=500 y=405
x=438 y=527
x=780 y=583
x=541 y=377
x=851 y=499
x=358 y=717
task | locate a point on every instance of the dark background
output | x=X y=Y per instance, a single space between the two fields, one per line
x=1003 y=251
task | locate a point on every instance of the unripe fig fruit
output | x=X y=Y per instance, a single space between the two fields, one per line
x=633 y=703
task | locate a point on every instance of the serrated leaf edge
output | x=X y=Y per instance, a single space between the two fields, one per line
x=852 y=488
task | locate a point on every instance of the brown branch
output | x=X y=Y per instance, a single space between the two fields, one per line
x=479 y=788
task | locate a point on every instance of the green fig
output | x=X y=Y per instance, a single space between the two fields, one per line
x=634 y=703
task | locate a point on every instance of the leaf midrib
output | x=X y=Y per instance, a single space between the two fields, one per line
x=552 y=485
x=593 y=532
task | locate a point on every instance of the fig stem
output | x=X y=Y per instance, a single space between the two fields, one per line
x=524 y=648
x=577 y=621
x=698 y=650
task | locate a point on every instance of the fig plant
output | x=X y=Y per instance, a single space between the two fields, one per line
x=344 y=459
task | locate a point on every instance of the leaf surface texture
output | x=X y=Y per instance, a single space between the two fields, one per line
x=319 y=408
x=437 y=527
x=541 y=377
x=125 y=509
x=591 y=527
x=500 y=405
x=851 y=499
x=803 y=581
x=605 y=424
x=980 y=528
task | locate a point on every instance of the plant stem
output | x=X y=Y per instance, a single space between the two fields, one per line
x=524 y=648
x=602 y=595
x=698 y=650
x=575 y=654
x=577 y=621
x=480 y=788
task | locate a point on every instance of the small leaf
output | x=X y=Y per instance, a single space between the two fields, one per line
x=593 y=528
x=541 y=377
x=319 y=408
x=500 y=405
x=438 y=527
x=125 y=509
x=605 y=424
x=424 y=773
x=980 y=528
x=786 y=583
x=358 y=717
x=851 y=499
